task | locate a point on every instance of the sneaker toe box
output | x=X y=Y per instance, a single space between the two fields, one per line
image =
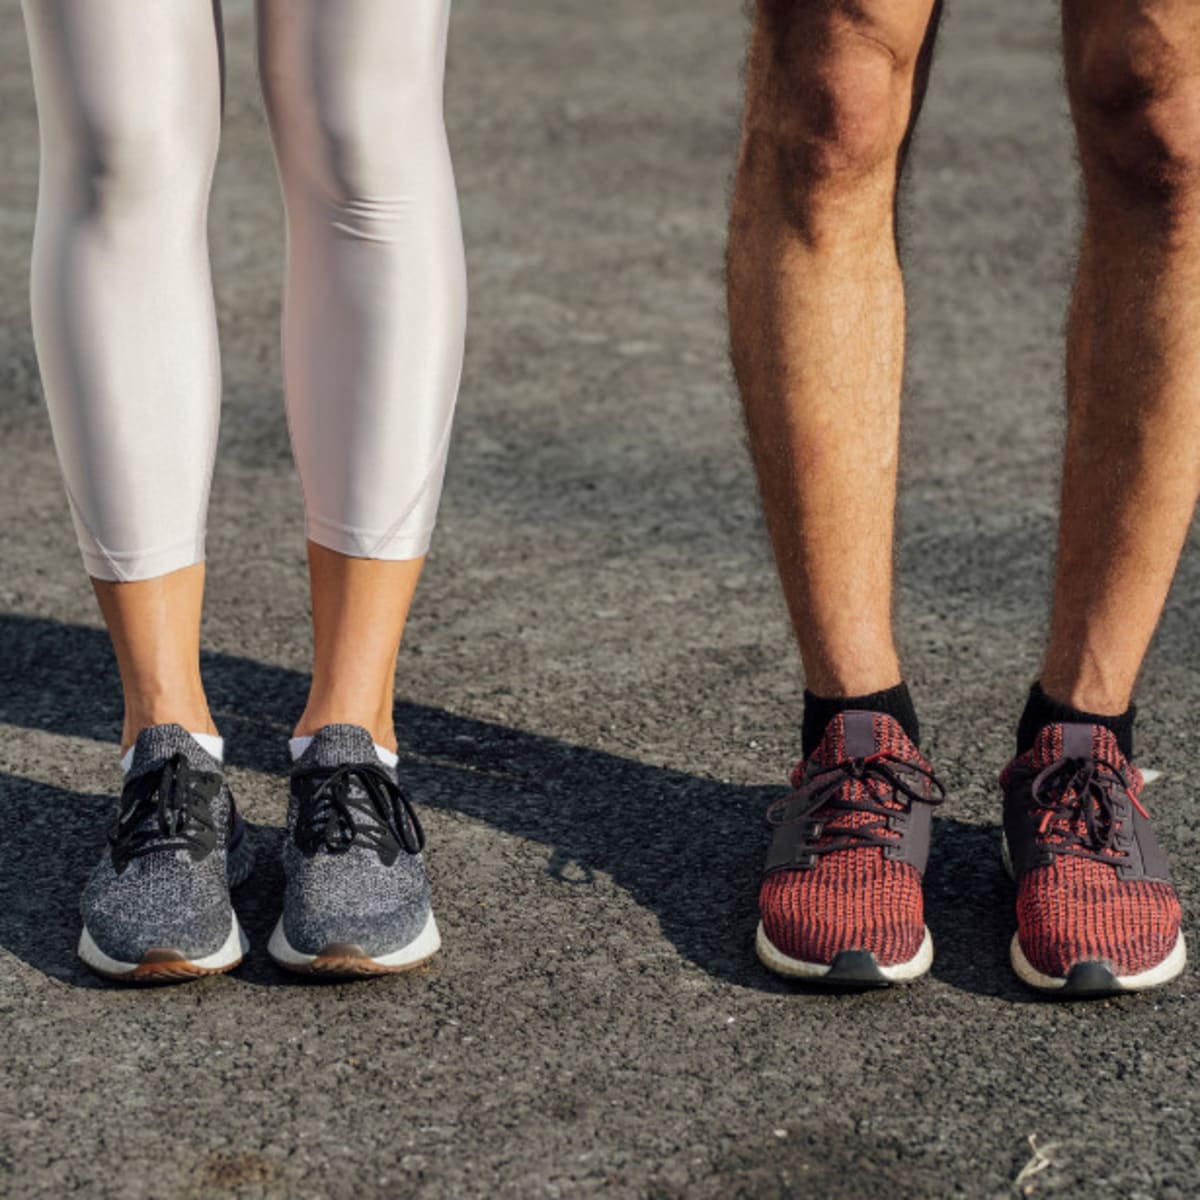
x=1076 y=911
x=355 y=900
x=156 y=904
x=850 y=901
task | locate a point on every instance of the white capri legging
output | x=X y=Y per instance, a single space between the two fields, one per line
x=129 y=107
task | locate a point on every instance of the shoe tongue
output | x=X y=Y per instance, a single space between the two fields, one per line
x=1079 y=740
x=851 y=734
x=160 y=742
x=858 y=734
x=333 y=745
x=1075 y=739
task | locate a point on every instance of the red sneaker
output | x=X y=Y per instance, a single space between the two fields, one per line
x=1096 y=912
x=841 y=898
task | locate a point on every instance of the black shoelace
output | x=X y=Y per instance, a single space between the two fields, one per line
x=335 y=800
x=820 y=799
x=167 y=808
x=1076 y=797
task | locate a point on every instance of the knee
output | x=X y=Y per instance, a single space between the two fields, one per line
x=375 y=135
x=123 y=164
x=1135 y=92
x=828 y=97
x=364 y=159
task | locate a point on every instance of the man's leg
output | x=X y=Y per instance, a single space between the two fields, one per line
x=1131 y=472
x=1132 y=469
x=816 y=311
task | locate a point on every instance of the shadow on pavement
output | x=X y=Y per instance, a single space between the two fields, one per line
x=687 y=849
x=970 y=909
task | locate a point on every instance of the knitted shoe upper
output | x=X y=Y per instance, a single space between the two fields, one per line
x=349 y=878
x=1092 y=885
x=860 y=885
x=164 y=897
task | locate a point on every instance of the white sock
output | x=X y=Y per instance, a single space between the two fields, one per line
x=209 y=742
x=298 y=745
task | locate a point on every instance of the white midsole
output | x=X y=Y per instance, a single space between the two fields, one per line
x=779 y=962
x=426 y=943
x=1152 y=977
x=232 y=951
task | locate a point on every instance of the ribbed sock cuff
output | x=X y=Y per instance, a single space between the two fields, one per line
x=1042 y=710
x=820 y=710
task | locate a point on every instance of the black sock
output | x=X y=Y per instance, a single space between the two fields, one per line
x=1042 y=710
x=820 y=710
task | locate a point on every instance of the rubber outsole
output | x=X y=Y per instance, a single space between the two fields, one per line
x=344 y=960
x=165 y=964
x=849 y=968
x=1090 y=978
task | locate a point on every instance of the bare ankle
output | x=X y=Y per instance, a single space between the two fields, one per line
x=194 y=717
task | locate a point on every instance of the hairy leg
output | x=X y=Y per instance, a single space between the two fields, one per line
x=1132 y=466
x=816 y=311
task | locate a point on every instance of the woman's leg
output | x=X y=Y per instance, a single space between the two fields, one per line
x=374 y=312
x=129 y=97
x=155 y=629
x=359 y=608
x=375 y=308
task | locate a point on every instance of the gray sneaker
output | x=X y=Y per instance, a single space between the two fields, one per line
x=357 y=901
x=156 y=908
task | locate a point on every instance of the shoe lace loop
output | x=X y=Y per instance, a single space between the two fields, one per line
x=332 y=811
x=821 y=799
x=166 y=808
x=1077 y=801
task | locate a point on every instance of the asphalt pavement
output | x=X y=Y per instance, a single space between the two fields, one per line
x=598 y=693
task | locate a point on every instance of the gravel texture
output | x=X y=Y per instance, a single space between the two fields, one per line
x=598 y=692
